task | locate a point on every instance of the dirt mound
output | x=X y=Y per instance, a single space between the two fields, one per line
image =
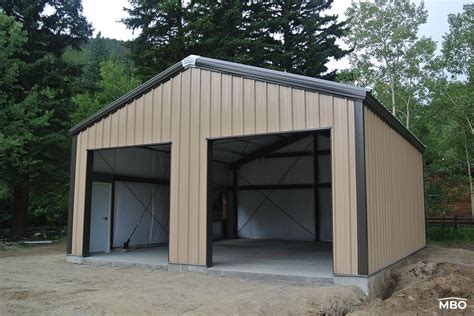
x=422 y=283
x=422 y=270
x=342 y=304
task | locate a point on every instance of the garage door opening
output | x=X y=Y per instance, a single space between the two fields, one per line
x=270 y=204
x=129 y=205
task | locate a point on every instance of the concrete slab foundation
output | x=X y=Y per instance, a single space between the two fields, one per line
x=263 y=259
x=300 y=261
x=152 y=258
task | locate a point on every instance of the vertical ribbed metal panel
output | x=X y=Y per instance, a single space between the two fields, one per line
x=395 y=201
x=197 y=104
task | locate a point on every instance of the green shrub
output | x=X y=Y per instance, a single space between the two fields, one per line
x=448 y=234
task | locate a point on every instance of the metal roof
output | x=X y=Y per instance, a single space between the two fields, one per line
x=261 y=74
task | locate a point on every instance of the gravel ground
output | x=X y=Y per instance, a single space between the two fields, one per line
x=37 y=280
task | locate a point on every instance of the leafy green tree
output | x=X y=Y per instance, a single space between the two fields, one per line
x=389 y=56
x=450 y=135
x=451 y=112
x=458 y=45
x=115 y=81
x=89 y=58
x=12 y=39
x=35 y=113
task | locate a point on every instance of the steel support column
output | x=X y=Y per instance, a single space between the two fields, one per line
x=315 y=186
x=210 y=209
x=235 y=205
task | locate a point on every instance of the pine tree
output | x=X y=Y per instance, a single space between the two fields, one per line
x=230 y=30
x=161 y=40
x=34 y=117
x=307 y=36
x=293 y=35
x=214 y=28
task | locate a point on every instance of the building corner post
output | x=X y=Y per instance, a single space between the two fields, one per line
x=361 y=194
x=210 y=209
x=72 y=182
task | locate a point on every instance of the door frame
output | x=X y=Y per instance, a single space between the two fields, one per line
x=91 y=176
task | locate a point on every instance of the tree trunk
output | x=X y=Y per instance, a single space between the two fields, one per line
x=20 y=210
x=471 y=186
x=392 y=90
x=408 y=113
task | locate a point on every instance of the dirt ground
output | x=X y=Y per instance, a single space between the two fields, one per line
x=434 y=272
x=38 y=280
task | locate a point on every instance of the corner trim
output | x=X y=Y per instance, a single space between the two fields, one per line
x=210 y=198
x=72 y=183
x=87 y=204
x=189 y=61
x=361 y=194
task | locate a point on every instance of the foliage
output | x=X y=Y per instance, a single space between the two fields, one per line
x=449 y=131
x=221 y=30
x=449 y=235
x=307 y=36
x=161 y=39
x=34 y=114
x=89 y=58
x=294 y=36
x=389 y=56
x=458 y=45
x=115 y=81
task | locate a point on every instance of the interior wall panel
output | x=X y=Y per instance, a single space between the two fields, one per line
x=197 y=104
x=269 y=221
x=395 y=198
x=128 y=211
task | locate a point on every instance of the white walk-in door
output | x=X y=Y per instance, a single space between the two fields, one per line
x=100 y=217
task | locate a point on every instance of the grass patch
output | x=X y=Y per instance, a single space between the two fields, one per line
x=10 y=247
x=448 y=235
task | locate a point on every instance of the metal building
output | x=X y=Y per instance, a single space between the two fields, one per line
x=223 y=167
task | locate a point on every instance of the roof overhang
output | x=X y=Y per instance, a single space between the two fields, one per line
x=261 y=74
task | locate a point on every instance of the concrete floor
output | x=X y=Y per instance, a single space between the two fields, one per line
x=264 y=258
x=155 y=257
x=274 y=257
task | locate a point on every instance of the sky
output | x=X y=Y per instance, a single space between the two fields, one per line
x=105 y=16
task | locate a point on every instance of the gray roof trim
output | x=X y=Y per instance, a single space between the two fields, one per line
x=257 y=73
x=375 y=106
x=282 y=78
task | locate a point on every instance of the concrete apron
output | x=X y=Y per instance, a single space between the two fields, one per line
x=370 y=285
x=374 y=285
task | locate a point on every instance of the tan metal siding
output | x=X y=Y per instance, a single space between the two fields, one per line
x=395 y=202
x=197 y=104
